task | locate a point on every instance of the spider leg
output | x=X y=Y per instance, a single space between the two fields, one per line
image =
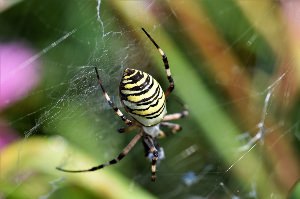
x=149 y=142
x=176 y=116
x=161 y=135
x=174 y=127
x=113 y=161
x=113 y=106
x=166 y=63
x=127 y=129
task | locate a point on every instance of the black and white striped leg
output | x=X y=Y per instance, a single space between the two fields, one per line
x=166 y=63
x=153 y=163
x=149 y=142
x=174 y=127
x=125 y=151
x=117 y=111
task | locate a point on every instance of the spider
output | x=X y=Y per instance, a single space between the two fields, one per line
x=145 y=101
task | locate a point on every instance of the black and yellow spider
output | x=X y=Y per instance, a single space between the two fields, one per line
x=144 y=100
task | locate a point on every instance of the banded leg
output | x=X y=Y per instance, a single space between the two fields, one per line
x=150 y=144
x=153 y=163
x=117 y=111
x=174 y=127
x=176 y=116
x=166 y=63
x=127 y=129
x=113 y=161
x=162 y=135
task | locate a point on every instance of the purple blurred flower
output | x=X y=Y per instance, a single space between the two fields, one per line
x=19 y=73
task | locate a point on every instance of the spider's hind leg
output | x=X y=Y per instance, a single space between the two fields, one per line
x=153 y=152
x=149 y=155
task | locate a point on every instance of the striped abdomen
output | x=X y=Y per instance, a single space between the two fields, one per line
x=142 y=97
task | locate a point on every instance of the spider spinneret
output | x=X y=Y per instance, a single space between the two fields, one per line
x=145 y=101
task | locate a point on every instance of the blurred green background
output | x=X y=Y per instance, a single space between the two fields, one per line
x=236 y=66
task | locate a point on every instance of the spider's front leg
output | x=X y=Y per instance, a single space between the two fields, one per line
x=166 y=64
x=111 y=104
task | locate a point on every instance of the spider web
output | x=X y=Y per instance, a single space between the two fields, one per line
x=72 y=110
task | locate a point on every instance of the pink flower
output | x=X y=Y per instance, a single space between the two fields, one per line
x=19 y=72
